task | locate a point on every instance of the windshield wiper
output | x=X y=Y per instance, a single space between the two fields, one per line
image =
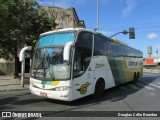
x=39 y=66
x=37 y=69
x=45 y=63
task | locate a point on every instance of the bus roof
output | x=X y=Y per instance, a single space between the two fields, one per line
x=61 y=30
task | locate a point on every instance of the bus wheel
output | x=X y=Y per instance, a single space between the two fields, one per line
x=135 y=78
x=99 y=88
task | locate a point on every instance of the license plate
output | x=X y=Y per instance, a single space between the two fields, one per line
x=43 y=94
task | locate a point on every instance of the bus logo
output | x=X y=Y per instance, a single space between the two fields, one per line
x=83 y=88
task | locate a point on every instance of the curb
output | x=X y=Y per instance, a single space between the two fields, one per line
x=6 y=90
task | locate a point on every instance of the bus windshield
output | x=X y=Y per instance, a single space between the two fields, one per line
x=49 y=57
x=48 y=64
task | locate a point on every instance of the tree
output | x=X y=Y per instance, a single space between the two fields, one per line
x=20 y=25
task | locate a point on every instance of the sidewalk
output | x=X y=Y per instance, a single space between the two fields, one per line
x=154 y=71
x=7 y=83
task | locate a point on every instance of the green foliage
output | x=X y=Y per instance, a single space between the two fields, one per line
x=20 y=24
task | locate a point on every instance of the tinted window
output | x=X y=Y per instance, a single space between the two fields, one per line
x=128 y=49
x=121 y=50
x=112 y=48
x=115 y=48
x=83 y=53
x=100 y=45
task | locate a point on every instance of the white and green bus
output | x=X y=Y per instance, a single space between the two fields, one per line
x=69 y=64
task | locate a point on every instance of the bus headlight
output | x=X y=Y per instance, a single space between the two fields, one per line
x=61 y=88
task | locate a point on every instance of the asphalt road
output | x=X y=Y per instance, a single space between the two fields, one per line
x=141 y=96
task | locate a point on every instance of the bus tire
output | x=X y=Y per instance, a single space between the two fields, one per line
x=99 y=88
x=135 y=79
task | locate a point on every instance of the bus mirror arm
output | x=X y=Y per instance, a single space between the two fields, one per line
x=22 y=52
x=22 y=59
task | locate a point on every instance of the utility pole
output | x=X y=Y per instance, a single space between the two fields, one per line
x=97 y=16
x=53 y=3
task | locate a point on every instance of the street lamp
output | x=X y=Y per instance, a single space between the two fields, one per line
x=123 y=32
x=131 y=33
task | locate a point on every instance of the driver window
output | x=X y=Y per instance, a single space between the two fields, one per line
x=83 y=53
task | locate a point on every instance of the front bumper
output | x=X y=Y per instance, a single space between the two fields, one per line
x=58 y=95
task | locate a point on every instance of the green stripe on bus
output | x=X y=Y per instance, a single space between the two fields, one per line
x=46 y=82
x=120 y=70
x=114 y=69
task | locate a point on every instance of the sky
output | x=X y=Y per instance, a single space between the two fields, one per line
x=118 y=15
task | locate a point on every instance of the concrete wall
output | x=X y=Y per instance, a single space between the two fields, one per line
x=6 y=67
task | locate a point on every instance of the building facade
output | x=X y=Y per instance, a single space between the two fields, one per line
x=64 y=18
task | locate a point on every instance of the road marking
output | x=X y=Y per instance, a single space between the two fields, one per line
x=149 y=88
x=134 y=87
x=154 y=85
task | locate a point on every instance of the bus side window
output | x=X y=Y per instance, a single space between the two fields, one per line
x=111 y=49
x=83 y=53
